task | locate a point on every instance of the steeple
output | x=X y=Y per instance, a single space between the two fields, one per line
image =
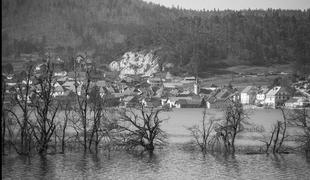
x=196 y=86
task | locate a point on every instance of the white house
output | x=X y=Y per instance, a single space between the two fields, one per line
x=276 y=96
x=261 y=95
x=60 y=73
x=25 y=82
x=270 y=99
x=248 y=95
x=172 y=100
x=58 y=91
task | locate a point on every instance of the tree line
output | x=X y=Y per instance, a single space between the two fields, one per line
x=193 y=40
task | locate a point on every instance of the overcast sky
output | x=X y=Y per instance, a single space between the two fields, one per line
x=235 y=4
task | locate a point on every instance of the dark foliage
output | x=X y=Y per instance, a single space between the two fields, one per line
x=194 y=40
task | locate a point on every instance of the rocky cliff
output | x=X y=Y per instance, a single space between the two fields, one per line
x=136 y=63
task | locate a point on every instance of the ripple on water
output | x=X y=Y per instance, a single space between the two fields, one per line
x=169 y=163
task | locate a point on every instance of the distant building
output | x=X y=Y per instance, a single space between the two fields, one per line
x=261 y=96
x=172 y=85
x=60 y=73
x=276 y=96
x=172 y=100
x=191 y=79
x=205 y=93
x=248 y=95
x=297 y=102
x=194 y=102
x=196 y=88
x=155 y=81
x=58 y=91
x=151 y=102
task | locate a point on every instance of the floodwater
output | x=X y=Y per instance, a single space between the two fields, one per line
x=179 y=120
x=172 y=162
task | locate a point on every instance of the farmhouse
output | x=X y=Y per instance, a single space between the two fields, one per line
x=276 y=96
x=248 y=95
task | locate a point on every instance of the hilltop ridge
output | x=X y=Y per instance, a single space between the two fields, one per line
x=195 y=41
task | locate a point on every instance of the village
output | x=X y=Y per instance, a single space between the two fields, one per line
x=161 y=89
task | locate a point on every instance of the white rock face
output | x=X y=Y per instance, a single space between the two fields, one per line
x=136 y=63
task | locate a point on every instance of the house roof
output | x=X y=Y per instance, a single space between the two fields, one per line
x=128 y=98
x=263 y=91
x=222 y=94
x=187 y=101
x=273 y=91
x=59 y=89
x=205 y=91
x=181 y=101
x=296 y=99
x=247 y=89
x=178 y=98
x=292 y=100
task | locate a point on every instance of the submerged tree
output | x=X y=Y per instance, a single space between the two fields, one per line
x=96 y=103
x=142 y=127
x=3 y=115
x=203 y=134
x=45 y=109
x=274 y=142
x=234 y=122
x=20 y=100
x=82 y=90
x=300 y=118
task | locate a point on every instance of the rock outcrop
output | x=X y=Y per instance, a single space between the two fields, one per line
x=136 y=63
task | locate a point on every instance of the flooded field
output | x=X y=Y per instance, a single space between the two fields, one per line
x=172 y=162
x=179 y=120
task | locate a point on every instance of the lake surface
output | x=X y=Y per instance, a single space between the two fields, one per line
x=171 y=162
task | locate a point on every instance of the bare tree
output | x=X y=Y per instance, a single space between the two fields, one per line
x=46 y=109
x=300 y=118
x=67 y=108
x=96 y=108
x=3 y=115
x=202 y=135
x=82 y=108
x=278 y=135
x=233 y=124
x=20 y=100
x=141 y=126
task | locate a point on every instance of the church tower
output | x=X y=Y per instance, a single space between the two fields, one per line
x=196 y=87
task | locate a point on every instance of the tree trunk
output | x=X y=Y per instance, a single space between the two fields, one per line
x=3 y=132
x=63 y=137
x=85 y=135
x=150 y=147
x=55 y=142
x=277 y=137
x=233 y=143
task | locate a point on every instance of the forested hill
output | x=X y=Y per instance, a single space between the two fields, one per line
x=190 y=39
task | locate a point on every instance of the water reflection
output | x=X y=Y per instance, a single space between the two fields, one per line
x=169 y=163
